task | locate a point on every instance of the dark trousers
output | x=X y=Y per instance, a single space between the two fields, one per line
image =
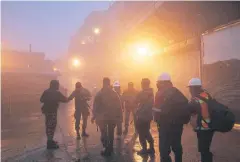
x=204 y=144
x=119 y=128
x=78 y=114
x=127 y=117
x=50 y=124
x=107 y=133
x=143 y=129
x=170 y=139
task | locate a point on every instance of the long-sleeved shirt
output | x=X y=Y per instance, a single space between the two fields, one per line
x=145 y=101
x=129 y=99
x=51 y=99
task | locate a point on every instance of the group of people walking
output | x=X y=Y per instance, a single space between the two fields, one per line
x=170 y=109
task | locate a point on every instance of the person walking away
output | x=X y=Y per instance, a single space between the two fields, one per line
x=129 y=102
x=170 y=113
x=117 y=88
x=145 y=101
x=81 y=96
x=201 y=118
x=107 y=110
x=51 y=99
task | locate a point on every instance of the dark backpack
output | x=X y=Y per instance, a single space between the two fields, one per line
x=222 y=119
x=179 y=112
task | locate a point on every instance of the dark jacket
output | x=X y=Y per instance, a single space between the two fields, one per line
x=51 y=99
x=81 y=96
x=107 y=105
x=145 y=101
x=172 y=106
x=129 y=99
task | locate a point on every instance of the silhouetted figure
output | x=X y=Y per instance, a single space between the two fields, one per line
x=81 y=96
x=117 y=88
x=130 y=106
x=145 y=101
x=170 y=114
x=51 y=99
x=107 y=113
x=200 y=111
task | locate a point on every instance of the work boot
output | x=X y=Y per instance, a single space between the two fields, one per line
x=84 y=134
x=78 y=135
x=106 y=152
x=52 y=144
x=142 y=152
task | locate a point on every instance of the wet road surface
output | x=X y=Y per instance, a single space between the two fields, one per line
x=225 y=146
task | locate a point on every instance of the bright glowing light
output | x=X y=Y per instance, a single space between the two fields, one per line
x=142 y=51
x=96 y=30
x=76 y=62
x=55 y=69
x=83 y=42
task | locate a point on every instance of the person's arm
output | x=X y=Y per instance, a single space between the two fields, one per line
x=194 y=106
x=62 y=98
x=42 y=98
x=96 y=103
x=71 y=96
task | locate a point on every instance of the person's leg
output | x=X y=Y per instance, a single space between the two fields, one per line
x=111 y=126
x=141 y=128
x=127 y=115
x=135 y=121
x=119 y=129
x=51 y=123
x=149 y=137
x=103 y=130
x=176 y=136
x=164 y=144
x=77 y=116
x=204 y=144
x=84 y=126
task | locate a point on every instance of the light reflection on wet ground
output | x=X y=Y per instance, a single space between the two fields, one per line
x=88 y=149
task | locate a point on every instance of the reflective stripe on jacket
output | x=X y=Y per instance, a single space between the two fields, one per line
x=204 y=116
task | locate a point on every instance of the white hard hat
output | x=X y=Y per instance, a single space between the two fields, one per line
x=164 y=77
x=116 y=84
x=195 y=82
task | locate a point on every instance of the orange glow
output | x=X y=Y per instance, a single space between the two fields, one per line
x=75 y=62
x=96 y=30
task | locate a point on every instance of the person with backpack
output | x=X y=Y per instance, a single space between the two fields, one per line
x=145 y=101
x=51 y=99
x=201 y=118
x=171 y=113
x=107 y=108
x=208 y=116
x=130 y=106
x=81 y=96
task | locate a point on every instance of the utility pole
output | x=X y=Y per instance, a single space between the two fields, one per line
x=30 y=48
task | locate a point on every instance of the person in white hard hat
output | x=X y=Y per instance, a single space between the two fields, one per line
x=170 y=113
x=117 y=88
x=201 y=118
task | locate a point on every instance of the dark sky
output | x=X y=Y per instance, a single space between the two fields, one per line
x=48 y=26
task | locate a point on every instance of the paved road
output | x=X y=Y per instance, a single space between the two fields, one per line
x=225 y=146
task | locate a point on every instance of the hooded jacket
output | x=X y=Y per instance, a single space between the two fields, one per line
x=51 y=99
x=107 y=105
x=145 y=101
